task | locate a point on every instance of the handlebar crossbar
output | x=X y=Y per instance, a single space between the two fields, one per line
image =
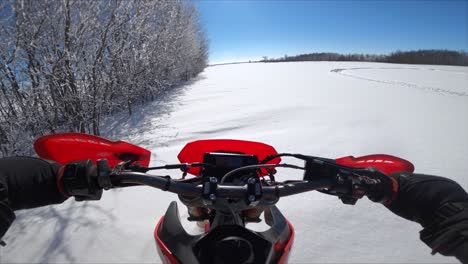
x=226 y=191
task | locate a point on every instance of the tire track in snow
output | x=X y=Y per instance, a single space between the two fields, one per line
x=340 y=71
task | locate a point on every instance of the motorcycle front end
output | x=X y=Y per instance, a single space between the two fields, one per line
x=225 y=243
x=233 y=184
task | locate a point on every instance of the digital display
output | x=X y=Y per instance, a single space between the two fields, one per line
x=232 y=161
x=225 y=162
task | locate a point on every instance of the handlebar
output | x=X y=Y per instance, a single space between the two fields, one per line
x=320 y=174
x=226 y=191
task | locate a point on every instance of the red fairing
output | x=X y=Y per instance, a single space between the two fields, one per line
x=66 y=147
x=287 y=249
x=166 y=255
x=385 y=163
x=194 y=151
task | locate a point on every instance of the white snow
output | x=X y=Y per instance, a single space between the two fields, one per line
x=328 y=109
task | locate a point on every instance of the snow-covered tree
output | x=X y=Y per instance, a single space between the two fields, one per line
x=64 y=64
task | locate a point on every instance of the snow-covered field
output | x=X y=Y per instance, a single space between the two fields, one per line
x=329 y=109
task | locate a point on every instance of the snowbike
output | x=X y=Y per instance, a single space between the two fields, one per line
x=234 y=183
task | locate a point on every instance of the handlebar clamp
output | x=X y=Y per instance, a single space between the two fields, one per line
x=210 y=185
x=254 y=191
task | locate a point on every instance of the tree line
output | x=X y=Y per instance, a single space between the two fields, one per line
x=66 y=64
x=435 y=57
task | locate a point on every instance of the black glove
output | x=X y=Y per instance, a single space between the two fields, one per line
x=440 y=205
x=26 y=182
x=30 y=182
x=420 y=196
x=7 y=216
x=377 y=186
x=80 y=179
x=415 y=197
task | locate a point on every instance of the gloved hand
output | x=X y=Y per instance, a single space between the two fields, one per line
x=26 y=182
x=376 y=185
x=420 y=196
x=79 y=179
x=440 y=205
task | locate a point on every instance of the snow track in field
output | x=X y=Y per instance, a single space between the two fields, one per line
x=344 y=72
x=349 y=73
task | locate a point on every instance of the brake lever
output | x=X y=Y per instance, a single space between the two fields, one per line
x=104 y=172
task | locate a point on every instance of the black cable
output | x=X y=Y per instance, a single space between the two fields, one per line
x=297 y=156
x=259 y=166
x=182 y=166
x=272 y=157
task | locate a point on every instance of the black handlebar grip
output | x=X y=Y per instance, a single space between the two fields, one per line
x=80 y=180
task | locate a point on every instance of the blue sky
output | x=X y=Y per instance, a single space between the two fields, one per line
x=242 y=30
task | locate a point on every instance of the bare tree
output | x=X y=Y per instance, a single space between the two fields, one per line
x=66 y=64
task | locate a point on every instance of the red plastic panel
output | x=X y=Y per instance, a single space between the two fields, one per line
x=67 y=147
x=194 y=151
x=385 y=163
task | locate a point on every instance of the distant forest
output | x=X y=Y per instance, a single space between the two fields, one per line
x=435 y=57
